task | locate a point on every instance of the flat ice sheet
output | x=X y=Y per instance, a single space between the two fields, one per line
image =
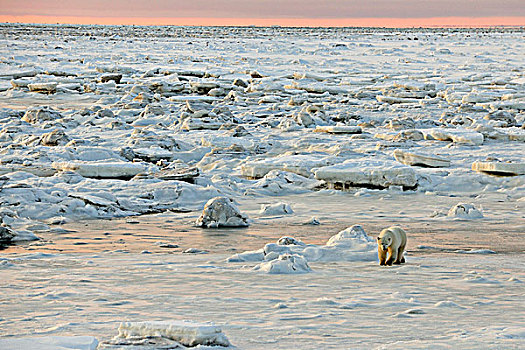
x=464 y=300
x=49 y=343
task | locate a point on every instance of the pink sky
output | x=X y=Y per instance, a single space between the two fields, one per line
x=392 y=13
x=300 y=22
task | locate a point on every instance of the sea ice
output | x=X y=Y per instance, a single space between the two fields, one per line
x=284 y=264
x=6 y=235
x=454 y=135
x=49 y=87
x=409 y=158
x=35 y=169
x=465 y=211
x=278 y=182
x=392 y=100
x=276 y=209
x=40 y=114
x=221 y=212
x=301 y=164
x=339 y=129
x=105 y=170
x=49 y=343
x=187 y=333
x=54 y=138
x=500 y=168
x=367 y=173
x=352 y=244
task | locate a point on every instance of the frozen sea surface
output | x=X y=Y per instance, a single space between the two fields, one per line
x=467 y=301
x=113 y=138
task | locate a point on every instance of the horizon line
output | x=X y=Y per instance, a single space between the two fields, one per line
x=502 y=21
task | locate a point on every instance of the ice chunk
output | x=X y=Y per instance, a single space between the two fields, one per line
x=104 y=78
x=221 y=212
x=40 y=114
x=501 y=116
x=93 y=200
x=317 y=87
x=276 y=209
x=21 y=83
x=152 y=153
x=465 y=211
x=368 y=173
x=411 y=134
x=104 y=170
x=454 y=135
x=35 y=169
x=475 y=251
x=392 y=100
x=185 y=332
x=19 y=74
x=339 y=129
x=500 y=168
x=6 y=235
x=278 y=182
x=187 y=174
x=476 y=97
x=50 y=343
x=299 y=164
x=43 y=87
x=313 y=221
x=194 y=251
x=351 y=244
x=203 y=88
x=54 y=138
x=448 y=304
x=349 y=237
x=286 y=240
x=249 y=256
x=284 y=264
x=420 y=160
x=415 y=85
x=24 y=236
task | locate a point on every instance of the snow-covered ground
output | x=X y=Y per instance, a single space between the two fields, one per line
x=112 y=140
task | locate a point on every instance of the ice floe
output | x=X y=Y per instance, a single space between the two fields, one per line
x=278 y=182
x=352 y=244
x=6 y=235
x=221 y=212
x=50 y=343
x=301 y=164
x=185 y=333
x=454 y=135
x=500 y=168
x=465 y=211
x=284 y=264
x=104 y=170
x=409 y=158
x=339 y=129
x=370 y=173
x=276 y=209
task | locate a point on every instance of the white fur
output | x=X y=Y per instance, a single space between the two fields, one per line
x=393 y=241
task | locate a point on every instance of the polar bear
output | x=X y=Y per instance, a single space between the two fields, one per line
x=392 y=240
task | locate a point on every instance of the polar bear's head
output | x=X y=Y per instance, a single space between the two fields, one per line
x=385 y=240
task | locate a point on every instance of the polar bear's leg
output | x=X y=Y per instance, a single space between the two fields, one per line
x=401 y=255
x=393 y=256
x=382 y=256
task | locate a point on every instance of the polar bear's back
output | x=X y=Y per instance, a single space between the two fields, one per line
x=398 y=234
